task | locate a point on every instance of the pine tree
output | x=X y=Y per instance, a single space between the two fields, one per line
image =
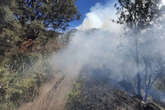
x=55 y=14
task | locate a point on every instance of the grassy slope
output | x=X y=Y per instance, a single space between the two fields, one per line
x=22 y=74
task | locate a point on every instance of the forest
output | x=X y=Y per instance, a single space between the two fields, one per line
x=102 y=64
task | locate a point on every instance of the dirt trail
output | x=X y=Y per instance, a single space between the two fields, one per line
x=53 y=95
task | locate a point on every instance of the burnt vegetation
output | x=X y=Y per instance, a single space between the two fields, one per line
x=96 y=90
x=139 y=15
x=91 y=92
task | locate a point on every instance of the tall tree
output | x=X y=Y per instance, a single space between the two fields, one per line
x=138 y=15
x=54 y=14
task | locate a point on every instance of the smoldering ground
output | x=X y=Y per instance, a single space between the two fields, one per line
x=102 y=45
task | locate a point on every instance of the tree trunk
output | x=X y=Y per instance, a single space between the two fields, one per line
x=139 y=85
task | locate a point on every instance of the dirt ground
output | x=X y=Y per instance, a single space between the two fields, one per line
x=53 y=95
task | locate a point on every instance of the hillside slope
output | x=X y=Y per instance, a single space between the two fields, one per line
x=98 y=94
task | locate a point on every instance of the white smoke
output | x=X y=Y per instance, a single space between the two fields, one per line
x=101 y=43
x=100 y=17
x=163 y=2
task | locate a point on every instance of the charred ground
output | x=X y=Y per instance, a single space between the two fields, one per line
x=95 y=92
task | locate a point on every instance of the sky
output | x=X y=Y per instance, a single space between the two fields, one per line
x=84 y=7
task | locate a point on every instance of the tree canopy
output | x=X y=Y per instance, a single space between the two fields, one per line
x=5 y=12
x=137 y=13
x=54 y=14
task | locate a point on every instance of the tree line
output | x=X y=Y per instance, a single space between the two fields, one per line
x=51 y=14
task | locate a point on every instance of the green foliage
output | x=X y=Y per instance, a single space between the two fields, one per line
x=20 y=63
x=137 y=14
x=37 y=15
x=21 y=75
x=75 y=91
x=6 y=13
x=74 y=97
x=23 y=69
x=52 y=13
x=17 y=87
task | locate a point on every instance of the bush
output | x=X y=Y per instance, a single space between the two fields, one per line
x=17 y=89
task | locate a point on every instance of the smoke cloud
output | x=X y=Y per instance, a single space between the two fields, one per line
x=100 y=17
x=100 y=43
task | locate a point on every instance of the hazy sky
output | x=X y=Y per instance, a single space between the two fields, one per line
x=84 y=7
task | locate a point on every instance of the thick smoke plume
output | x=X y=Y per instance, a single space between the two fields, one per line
x=102 y=44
